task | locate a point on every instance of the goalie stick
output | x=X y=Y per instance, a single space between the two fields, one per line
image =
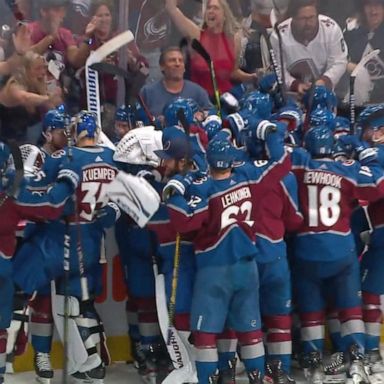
x=132 y=83
x=197 y=46
x=361 y=64
x=92 y=79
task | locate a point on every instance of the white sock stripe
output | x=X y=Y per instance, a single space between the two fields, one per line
x=352 y=326
x=278 y=330
x=373 y=329
x=252 y=351
x=312 y=333
x=227 y=345
x=279 y=348
x=206 y=355
x=41 y=329
x=149 y=329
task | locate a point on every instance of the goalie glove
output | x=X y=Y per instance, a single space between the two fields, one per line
x=135 y=196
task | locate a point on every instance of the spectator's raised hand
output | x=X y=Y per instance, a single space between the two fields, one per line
x=22 y=39
x=91 y=27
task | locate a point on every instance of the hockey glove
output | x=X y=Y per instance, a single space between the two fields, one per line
x=364 y=152
x=70 y=173
x=108 y=215
x=177 y=184
x=264 y=128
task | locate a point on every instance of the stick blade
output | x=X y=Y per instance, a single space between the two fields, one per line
x=111 y=46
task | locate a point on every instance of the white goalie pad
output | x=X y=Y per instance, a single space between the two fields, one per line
x=138 y=146
x=184 y=371
x=135 y=196
x=78 y=358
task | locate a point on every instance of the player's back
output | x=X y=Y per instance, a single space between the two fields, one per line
x=327 y=193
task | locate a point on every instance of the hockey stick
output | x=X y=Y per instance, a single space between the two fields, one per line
x=134 y=83
x=92 y=79
x=197 y=46
x=352 y=106
x=275 y=66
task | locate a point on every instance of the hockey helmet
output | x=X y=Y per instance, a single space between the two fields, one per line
x=171 y=110
x=319 y=140
x=85 y=124
x=220 y=154
x=259 y=103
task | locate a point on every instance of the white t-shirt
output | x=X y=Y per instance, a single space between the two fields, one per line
x=325 y=55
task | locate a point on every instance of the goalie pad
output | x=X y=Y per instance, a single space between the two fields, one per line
x=135 y=196
x=79 y=360
x=138 y=146
x=17 y=332
x=184 y=371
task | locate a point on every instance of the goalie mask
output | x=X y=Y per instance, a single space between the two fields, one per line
x=139 y=146
x=33 y=160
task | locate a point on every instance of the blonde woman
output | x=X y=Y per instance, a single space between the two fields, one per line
x=220 y=36
x=24 y=97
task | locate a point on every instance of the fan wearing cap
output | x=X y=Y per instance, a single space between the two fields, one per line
x=364 y=34
x=220 y=209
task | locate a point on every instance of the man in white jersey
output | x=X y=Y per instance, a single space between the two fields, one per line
x=312 y=47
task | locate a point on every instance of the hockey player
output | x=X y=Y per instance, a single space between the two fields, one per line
x=25 y=206
x=55 y=123
x=327 y=193
x=278 y=214
x=85 y=222
x=221 y=211
x=371 y=121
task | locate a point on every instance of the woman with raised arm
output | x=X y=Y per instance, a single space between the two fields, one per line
x=220 y=36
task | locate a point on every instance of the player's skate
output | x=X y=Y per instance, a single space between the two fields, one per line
x=375 y=366
x=356 y=373
x=336 y=370
x=43 y=368
x=275 y=372
x=313 y=367
x=228 y=375
x=213 y=379
x=254 y=377
x=94 y=376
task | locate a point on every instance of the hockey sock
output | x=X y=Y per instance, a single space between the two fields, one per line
x=252 y=350
x=352 y=328
x=148 y=322
x=312 y=331
x=41 y=323
x=334 y=329
x=3 y=351
x=372 y=317
x=206 y=355
x=279 y=339
x=226 y=347
x=132 y=320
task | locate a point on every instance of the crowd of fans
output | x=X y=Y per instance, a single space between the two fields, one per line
x=64 y=33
